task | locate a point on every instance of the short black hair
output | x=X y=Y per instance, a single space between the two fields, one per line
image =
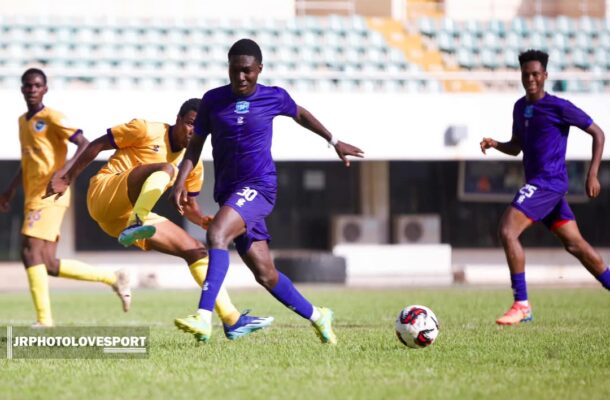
x=534 y=55
x=33 y=71
x=189 y=105
x=246 y=47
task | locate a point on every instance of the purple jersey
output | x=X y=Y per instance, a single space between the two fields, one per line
x=542 y=128
x=242 y=129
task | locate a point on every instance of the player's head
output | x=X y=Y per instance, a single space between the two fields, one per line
x=185 y=121
x=533 y=72
x=33 y=87
x=245 y=64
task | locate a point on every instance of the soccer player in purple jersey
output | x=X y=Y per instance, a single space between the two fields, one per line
x=239 y=118
x=541 y=123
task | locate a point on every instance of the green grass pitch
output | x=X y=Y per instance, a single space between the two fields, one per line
x=563 y=353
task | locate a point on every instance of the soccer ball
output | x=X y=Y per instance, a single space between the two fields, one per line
x=416 y=326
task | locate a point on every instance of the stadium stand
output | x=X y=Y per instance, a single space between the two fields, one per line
x=576 y=46
x=331 y=52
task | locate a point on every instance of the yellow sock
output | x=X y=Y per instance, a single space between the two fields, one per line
x=74 y=269
x=223 y=307
x=152 y=189
x=39 y=287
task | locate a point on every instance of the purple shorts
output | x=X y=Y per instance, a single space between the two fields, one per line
x=543 y=205
x=253 y=204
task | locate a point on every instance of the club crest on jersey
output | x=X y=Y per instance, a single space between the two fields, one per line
x=242 y=107
x=529 y=111
x=39 y=125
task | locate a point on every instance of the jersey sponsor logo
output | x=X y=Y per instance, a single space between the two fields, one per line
x=155 y=148
x=33 y=216
x=246 y=194
x=528 y=112
x=242 y=107
x=39 y=125
x=526 y=192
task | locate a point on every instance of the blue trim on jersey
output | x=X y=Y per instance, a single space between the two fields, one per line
x=29 y=116
x=111 y=138
x=78 y=132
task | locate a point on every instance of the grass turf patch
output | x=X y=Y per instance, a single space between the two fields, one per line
x=563 y=353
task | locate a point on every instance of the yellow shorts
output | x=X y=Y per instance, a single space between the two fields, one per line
x=43 y=222
x=109 y=205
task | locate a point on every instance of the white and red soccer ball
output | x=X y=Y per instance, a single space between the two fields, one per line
x=417 y=326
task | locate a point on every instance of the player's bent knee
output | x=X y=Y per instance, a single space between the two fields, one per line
x=168 y=168
x=267 y=279
x=216 y=239
x=52 y=266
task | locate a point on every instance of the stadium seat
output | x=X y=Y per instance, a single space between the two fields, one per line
x=565 y=25
x=324 y=85
x=468 y=40
x=557 y=59
x=357 y=23
x=584 y=41
x=513 y=40
x=574 y=85
x=448 y=25
x=540 y=24
x=489 y=59
x=537 y=41
x=601 y=58
x=368 y=85
x=410 y=86
x=580 y=59
x=491 y=41
x=336 y=24
x=588 y=25
x=511 y=58
x=596 y=86
x=604 y=40
x=496 y=26
x=446 y=42
x=519 y=26
x=427 y=26
x=472 y=27
x=559 y=41
x=466 y=58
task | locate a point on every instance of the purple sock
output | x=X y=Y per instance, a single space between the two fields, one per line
x=519 y=286
x=219 y=265
x=289 y=296
x=604 y=278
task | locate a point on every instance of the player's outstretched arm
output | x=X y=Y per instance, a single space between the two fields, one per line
x=592 y=184
x=512 y=147
x=81 y=144
x=179 y=196
x=308 y=121
x=192 y=212
x=7 y=196
x=59 y=183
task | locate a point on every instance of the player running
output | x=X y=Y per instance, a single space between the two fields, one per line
x=239 y=118
x=44 y=135
x=541 y=123
x=124 y=191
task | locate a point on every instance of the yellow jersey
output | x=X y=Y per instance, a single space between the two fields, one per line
x=140 y=142
x=44 y=140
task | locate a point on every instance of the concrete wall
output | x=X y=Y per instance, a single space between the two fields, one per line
x=507 y=9
x=164 y=9
x=386 y=126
